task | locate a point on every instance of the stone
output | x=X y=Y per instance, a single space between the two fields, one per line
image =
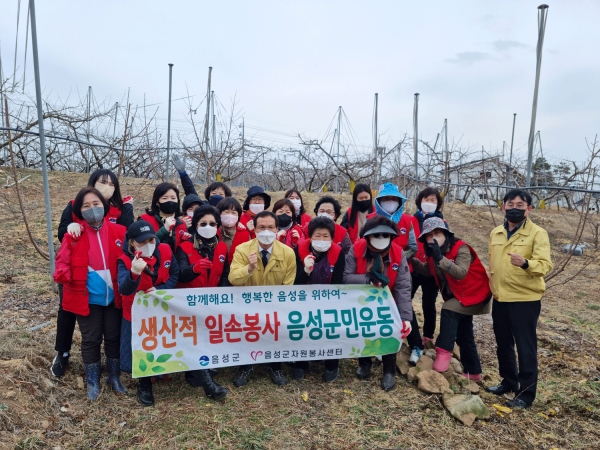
x=431 y=353
x=449 y=374
x=402 y=358
x=456 y=352
x=412 y=374
x=425 y=363
x=456 y=365
x=466 y=408
x=80 y=384
x=432 y=382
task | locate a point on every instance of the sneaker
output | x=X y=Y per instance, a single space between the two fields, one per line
x=241 y=379
x=59 y=364
x=415 y=354
x=277 y=377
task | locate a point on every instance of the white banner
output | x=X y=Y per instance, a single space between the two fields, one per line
x=187 y=329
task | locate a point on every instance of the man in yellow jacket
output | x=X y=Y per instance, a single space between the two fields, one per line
x=519 y=255
x=263 y=261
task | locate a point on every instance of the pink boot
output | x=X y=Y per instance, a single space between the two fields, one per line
x=442 y=360
x=428 y=342
x=472 y=376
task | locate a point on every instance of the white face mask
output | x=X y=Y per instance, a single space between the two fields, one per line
x=390 y=206
x=190 y=213
x=428 y=207
x=147 y=249
x=321 y=246
x=207 y=232
x=256 y=207
x=380 y=243
x=229 y=220
x=266 y=237
x=106 y=190
x=329 y=216
x=297 y=204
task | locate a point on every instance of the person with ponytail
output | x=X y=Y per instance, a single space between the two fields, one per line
x=377 y=259
x=120 y=212
x=319 y=260
x=164 y=216
x=289 y=231
x=257 y=200
x=232 y=232
x=145 y=265
x=295 y=197
x=356 y=216
x=87 y=269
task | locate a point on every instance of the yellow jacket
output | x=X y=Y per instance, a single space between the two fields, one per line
x=281 y=268
x=510 y=283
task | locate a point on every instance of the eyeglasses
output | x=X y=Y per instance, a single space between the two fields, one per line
x=211 y=224
x=381 y=235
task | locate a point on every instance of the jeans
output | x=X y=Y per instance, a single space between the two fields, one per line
x=458 y=328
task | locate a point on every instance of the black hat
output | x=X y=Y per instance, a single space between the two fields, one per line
x=140 y=231
x=253 y=192
x=189 y=200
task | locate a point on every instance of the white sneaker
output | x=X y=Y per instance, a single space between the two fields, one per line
x=415 y=354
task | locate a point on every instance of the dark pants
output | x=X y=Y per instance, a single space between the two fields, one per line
x=330 y=364
x=103 y=322
x=429 y=295
x=65 y=326
x=516 y=323
x=125 y=353
x=458 y=328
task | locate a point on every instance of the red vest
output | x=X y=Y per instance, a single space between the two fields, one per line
x=338 y=235
x=395 y=254
x=240 y=237
x=178 y=232
x=75 y=294
x=201 y=281
x=304 y=219
x=287 y=240
x=472 y=289
x=164 y=272
x=352 y=227
x=113 y=214
x=406 y=220
x=244 y=219
x=332 y=254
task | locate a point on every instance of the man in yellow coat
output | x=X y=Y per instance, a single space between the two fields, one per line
x=519 y=255
x=263 y=261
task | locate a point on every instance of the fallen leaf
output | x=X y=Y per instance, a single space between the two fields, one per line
x=543 y=416
x=582 y=381
x=551 y=412
x=305 y=396
x=501 y=408
x=499 y=413
x=349 y=392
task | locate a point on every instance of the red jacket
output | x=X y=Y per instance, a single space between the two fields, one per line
x=219 y=257
x=241 y=236
x=113 y=214
x=244 y=219
x=338 y=236
x=177 y=232
x=332 y=254
x=472 y=289
x=304 y=219
x=352 y=227
x=72 y=263
x=288 y=240
x=395 y=255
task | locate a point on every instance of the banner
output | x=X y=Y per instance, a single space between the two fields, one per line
x=188 y=329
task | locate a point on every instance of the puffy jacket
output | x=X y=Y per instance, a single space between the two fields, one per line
x=115 y=215
x=510 y=283
x=281 y=268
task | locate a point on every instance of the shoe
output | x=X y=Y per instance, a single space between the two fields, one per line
x=277 y=377
x=472 y=376
x=363 y=371
x=499 y=389
x=517 y=403
x=329 y=376
x=59 y=364
x=92 y=376
x=388 y=382
x=144 y=393
x=211 y=388
x=428 y=342
x=442 y=360
x=415 y=354
x=241 y=379
x=114 y=372
x=297 y=373
x=193 y=379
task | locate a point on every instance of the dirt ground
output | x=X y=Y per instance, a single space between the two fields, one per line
x=40 y=411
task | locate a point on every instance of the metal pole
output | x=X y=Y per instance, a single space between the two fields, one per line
x=38 y=99
x=89 y=156
x=512 y=141
x=115 y=125
x=375 y=137
x=416 y=138
x=446 y=157
x=206 y=125
x=213 y=144
x=243 y=151
x=542 y=16
x=26 y=42
x=169 y=124
x=337 y=184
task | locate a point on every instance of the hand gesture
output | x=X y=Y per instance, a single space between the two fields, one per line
x=241 y=227
x=436 y=251
x=309 y=264
x=169 y=222
x=250 y=225
x=202 y=265
x=178 y=163
x=515 y=259
x=295 y=236
x=186 y=236
x=128 y=199
x=252 y=262
x=138 y=265
x=187 y=220
x=74 y=230
x=281 y=234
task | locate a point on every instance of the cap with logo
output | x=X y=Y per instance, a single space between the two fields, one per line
x=140 y=231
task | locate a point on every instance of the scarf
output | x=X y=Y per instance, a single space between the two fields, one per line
x=422 y=217
x=376 y=266
x=206 y=247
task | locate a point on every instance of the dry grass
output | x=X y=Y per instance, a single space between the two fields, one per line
x=39 y=411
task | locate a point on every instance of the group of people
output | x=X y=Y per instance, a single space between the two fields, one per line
x=107 y=256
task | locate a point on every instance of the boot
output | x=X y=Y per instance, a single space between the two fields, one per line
x=114 y=372
x=442 y=360
x=92 y=376
x=211 y=388
x=144 y=391
x=388 y=382
x=193 y=378
x=244 y=374
x=364 y=368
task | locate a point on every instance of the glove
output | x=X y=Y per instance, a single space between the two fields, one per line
x=240 y=227
x=309 y=264
x=178 y=163
x=203 y=264
x=436 y=251
x=281 y=235
x=138 y=265
x=74 y=230
x=378 y=280
x=406 y=329
x=187 y=220
x=169 y=222
x=128 y=199
x=250 y=225
x=295 y=237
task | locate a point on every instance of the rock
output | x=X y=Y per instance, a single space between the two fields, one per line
x=432 y=382
x=456 y=365
x=473 y=387
x=412 y=374
x=425 y=363
x=80 y=384
x=456 y=352
x=403 y=366
x=449 y=374
x=431 y=353
x=466 y=408
x=402 y=358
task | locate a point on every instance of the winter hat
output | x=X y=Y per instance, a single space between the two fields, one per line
x=253 y=192
x=189 y=200
x=433 y=223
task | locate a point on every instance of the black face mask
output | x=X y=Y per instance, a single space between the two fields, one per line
x=363 y=205
x=284 y=220
x=168 y=207
x=215 y=199
x=515 y=215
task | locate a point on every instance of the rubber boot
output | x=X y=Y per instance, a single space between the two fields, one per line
x=144 y=391
x=113 y=378
x=442 y=360
x=92 y=376
x=388 y=382
x=211 y=388
x=364 y=368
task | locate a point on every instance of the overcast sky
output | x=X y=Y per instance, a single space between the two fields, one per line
x=292 y=63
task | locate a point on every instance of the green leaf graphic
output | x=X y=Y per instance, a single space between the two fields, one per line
x=146 y=295
x=158 y=369
x=155 y=302
x=179 y=354
x=163 y=358
x=385 y=294
x=139 y=300
x=370 y=298
x=374 y=291
x=164 y=306
x=150 y=357
x=160 y=292
x=145 y=302
x=167 y=297
x=381 y=346
x=143 y=366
